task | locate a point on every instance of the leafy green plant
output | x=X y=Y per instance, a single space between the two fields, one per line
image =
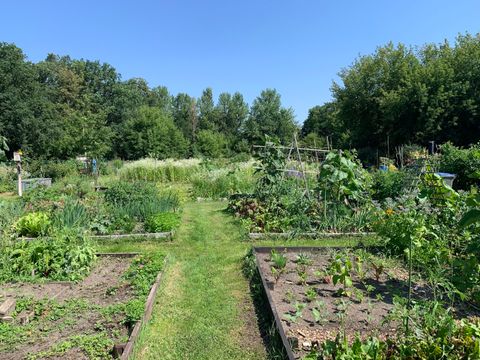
x=310 y=294
x=341 y=267
x=293 y=316
x=303 y=259
x=279 y=260
x=73 y=215
x=65 y=256
x=162 y=222
x=319 y=312
x=33 y=224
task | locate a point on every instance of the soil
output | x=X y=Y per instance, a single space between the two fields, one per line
x=364 y=316
x=101 y=288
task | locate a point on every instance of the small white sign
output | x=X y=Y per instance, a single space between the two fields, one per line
x=17 y=157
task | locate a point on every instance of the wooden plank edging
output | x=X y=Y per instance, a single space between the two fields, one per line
x=161 y=235
x=128 y=349
x=293 y=234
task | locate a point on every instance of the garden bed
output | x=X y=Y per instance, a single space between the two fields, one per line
x=309 y=309
x=309 y=235
x=158 y=235
x=98 y=317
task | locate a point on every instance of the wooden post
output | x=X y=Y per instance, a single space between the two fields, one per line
x=18 y=159
x=19 y=173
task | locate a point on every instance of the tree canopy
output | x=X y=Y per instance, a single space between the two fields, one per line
x=403 y=95
x=60 y=107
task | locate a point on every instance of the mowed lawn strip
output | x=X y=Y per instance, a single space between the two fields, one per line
x=203 y=308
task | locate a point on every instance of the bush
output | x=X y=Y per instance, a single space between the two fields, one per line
x=123 y=193
x=33 y=224
x=389 y=184
x=211 y=144
x=162 y=222
x=465 y=163
x=53 y=169
x=66 y=256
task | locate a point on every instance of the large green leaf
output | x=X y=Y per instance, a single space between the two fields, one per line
x=470 y=217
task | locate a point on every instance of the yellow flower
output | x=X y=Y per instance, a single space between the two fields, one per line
x=389 y=211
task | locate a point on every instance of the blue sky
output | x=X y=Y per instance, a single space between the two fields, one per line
x=295 y=46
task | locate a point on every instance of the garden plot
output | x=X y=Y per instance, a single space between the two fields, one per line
x=316 y=294
x=83 y=320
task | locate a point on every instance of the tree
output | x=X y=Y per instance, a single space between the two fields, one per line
x=232 y=112
x=323 y=121
x=18 y=95
x=185 y=115
x=151 y=131
x=206 y=111
x=268 y=117
x=212 y=144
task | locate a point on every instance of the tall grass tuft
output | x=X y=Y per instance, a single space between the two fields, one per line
x=160 y=170
x=223 y=182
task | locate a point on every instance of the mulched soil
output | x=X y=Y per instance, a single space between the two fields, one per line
x=101 y=288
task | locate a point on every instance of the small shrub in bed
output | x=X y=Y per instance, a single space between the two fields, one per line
x=33 y=224
x=389 y=184
x=162 y=222
x=66 y=256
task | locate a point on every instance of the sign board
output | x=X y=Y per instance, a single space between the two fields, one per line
x=17 y=157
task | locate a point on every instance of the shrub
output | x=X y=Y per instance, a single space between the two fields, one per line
x=66 y=256
x=389 y=184
x=33 y=224
x=53 y=169
x=122 y=193
x=211 y=144
x=465 y=163
x=162 y=222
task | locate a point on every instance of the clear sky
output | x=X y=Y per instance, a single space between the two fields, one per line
x=295 y=46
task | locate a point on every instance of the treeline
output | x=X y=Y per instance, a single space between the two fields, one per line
x=401 y=95
x=61 y=107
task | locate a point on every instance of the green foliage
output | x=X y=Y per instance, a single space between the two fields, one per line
x=138 y=200
x=401 y=95
x=218 y=183
x=65 y=256
x=73 y=215
x=342 y=178
x=161 y=171
x=389 y=184
x=143 y=271
x=162 y=222
x=268 y=117
x=341 y=268
x=53 y=169
x=464 y=163
x=151 y=131
x=211 y=144
x=33 y=224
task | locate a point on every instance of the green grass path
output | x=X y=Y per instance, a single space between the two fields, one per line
x=203 y=308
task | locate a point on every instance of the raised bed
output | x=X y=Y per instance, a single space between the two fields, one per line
x=360 y=311
x=311 y=235
x=163 y=235
x=71 y=311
